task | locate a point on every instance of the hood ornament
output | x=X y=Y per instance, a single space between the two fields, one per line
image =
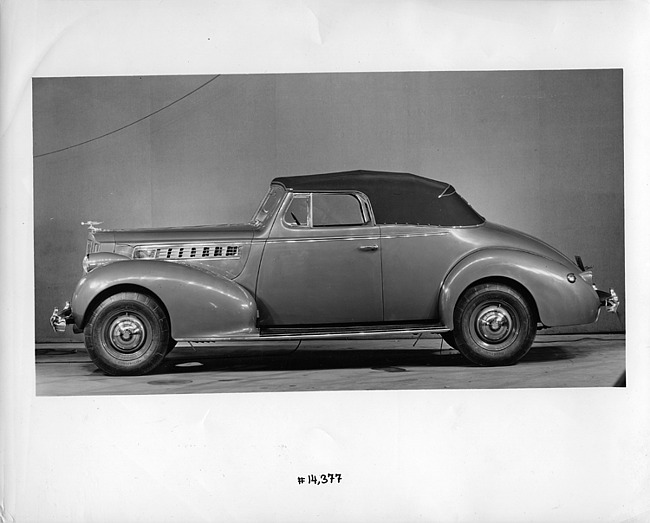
x=92 y=226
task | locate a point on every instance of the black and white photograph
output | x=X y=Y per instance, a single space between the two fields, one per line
x=400 y=206
x=324 y=261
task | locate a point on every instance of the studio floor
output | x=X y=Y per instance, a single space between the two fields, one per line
x=395 y=364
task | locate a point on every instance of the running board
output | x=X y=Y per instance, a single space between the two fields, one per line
x=284 y=334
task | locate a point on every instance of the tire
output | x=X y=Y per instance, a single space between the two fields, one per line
x=494 y=325
x=128 y=334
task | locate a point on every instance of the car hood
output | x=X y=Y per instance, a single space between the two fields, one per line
x=242 y=232
x=495 y=235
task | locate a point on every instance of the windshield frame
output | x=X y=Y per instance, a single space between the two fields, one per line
x=269 y=205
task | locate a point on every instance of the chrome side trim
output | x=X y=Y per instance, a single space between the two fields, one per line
x=321 y=336
x=330 y=239
x=450 y=227
x=414 y=235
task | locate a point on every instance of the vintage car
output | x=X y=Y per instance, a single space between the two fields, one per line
x=350 y=254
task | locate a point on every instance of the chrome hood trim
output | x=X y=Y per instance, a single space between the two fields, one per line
x=244 y=232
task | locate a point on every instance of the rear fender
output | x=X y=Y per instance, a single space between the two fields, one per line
x=558 y=302
x=199 y=304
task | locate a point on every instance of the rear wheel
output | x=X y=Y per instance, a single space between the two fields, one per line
x=128 y=334
x=494 y=325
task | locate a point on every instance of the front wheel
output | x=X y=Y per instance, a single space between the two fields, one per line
x=494 y=325
x=128 y=334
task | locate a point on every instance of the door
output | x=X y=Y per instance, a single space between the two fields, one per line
x=415 y=260
x=321 y=263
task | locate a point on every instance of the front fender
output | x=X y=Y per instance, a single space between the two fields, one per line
x=200 y=304
x=558 y=301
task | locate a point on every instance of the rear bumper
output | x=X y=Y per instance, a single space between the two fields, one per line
x=60 y=320
x=609 y=300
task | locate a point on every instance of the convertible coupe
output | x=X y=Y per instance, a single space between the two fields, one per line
x=350 y=254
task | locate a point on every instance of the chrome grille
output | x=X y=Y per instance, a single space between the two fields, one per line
x=92 y=245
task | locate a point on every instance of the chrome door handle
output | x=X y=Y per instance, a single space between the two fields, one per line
x=369 y=247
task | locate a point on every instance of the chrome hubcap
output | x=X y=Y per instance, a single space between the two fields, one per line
x=494 y=324
x=127 y=333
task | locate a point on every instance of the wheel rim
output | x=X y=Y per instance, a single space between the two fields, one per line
x=495 y=326
x=127 y=333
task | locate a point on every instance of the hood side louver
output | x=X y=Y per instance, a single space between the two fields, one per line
x=204 y=251
x=191 y=252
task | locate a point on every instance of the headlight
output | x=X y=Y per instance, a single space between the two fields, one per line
x=92 y=262
x=97 y=259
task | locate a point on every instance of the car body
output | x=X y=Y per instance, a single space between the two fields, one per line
x=350 y=254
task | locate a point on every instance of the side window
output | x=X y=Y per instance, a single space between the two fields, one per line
x=330 y=209
x=298 y=211
x=325 y=210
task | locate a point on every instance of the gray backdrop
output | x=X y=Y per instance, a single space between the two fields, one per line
x=541 y=151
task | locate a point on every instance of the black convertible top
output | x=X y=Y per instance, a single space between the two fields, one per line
x=395 y=197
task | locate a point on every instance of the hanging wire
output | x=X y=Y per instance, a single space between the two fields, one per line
x=132 y=123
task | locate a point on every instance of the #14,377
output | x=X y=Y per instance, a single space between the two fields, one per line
x=323 y=479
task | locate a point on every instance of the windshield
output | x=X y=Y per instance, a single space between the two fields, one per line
x=269 y=205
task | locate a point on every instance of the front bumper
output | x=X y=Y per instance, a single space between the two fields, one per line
x=59 y=320
x=609 y=300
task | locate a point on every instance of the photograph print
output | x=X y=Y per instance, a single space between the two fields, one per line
x=329 y=231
